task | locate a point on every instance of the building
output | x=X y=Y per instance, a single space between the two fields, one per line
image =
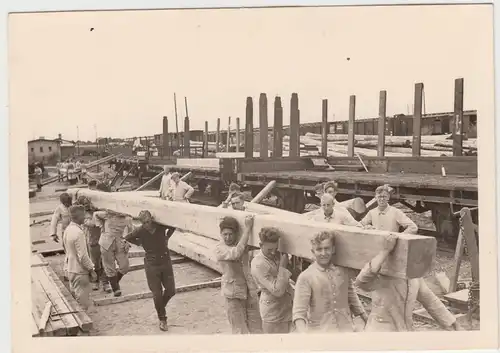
x=50 y=151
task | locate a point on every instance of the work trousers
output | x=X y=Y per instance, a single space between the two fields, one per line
x=243 y=315
x=79 y=285
x=161 y=282
x=116 y=253
x=277 y=327
x=95 y=256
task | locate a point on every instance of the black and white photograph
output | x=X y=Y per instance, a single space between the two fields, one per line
x=286 y=172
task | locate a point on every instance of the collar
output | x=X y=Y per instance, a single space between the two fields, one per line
x=322 y=269
x=77 y=225
x=380 y=212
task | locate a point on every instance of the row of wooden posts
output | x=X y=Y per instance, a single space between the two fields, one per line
x=294 y=143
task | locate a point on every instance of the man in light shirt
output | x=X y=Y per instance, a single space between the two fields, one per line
x=180 y=191
x=165 y=183
x=79 y=265
x=386 y=217
x=236 y=202
x=332 y=213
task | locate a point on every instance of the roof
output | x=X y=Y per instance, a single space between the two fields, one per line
x=63 y=143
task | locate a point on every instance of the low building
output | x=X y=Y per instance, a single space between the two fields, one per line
x=50 y=151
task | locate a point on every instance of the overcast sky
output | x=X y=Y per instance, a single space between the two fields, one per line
x=121 y=76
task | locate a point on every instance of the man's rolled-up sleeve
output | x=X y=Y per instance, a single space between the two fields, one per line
x=301 y=299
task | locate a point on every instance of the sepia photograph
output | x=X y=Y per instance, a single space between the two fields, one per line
x=286 y=172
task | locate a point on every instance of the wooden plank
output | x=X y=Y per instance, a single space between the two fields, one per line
x=166 y=145
x=196 y=163
x=382 y=104
x=278 y=128
x=417 y=120
x=277 y=165
x=264 y=192
x=263 y=126
x=458 y=117
x=195 y=247
x=294 y=126
x=45 y=316
x=205 y=141
x=147 y=295
x=249 y=128
x=350 y=133
x=150 y=181
x=457 y=261
x=458 y=299
x=324 y=128
x=217 y=136
x=470 y=240
x=187 y=141
x=237 y=134
x=34 y=327
x=228 y=137
x=40 y=298
x=38 y=260
x=412 y=256
x=81 y=317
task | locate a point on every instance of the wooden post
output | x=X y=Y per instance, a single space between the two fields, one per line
x=205 y=141
x=382 y=104
x=166 y=149
x=187 y=149
x=263 y=126
x=237 y=134
x=458 y=117
x=177 y=123
x=294 y=126
x=417 y=120
x=249 y=129
x=278 y=128
x=264 y=192
x=350 y=133
x=228 y=139
x=324 y=128
x=217 y=136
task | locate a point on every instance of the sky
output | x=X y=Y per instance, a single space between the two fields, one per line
x=118 y=80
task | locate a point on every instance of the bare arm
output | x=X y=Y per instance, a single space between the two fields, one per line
x=434 y=306
x=405 y=222
x=189 y=191
x=56 y=218
x=367 y=220
x=301 y=302
x=231 y=253
x=349 y=220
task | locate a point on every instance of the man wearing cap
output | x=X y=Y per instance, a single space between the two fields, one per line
x=180 y=191
x=153 y=237
x=330 y=212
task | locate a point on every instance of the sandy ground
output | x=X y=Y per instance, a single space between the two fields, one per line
x=200 y=312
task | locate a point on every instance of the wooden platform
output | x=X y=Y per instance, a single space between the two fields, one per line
x=54 y=310
x=458 y=299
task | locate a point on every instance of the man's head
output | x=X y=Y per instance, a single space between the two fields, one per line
x=77 y=214
x=145 y=217
x=269 y=241
x=323 y=247
x=327 y=203
x=229 y=230
x=84 y=201
x=234 y=188
x=238 y=201
x=65 y=199
x=331 y=188
x=318 y=190
x=166 y=169
x=383 y=194
x=176 y=177
x=92 y=184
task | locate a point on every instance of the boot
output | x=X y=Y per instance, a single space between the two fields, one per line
x=105 y=286
x=163 y=325
x=115 y=286
x=95 y=285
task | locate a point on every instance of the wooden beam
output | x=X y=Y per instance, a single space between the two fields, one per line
x=187 y=146
x=412 y=256
x=457 y=262
x=217 y=136
x=166 y=146
x=294 y=127
x=324 y=128
x=237 y=134
x=263 y=127
x=458 y=117
x=264 y=192
x=471 y=242
x=146 y=295
x=249 y=128
x=150 y=181
x=382 y=104
x=205 y=141
x=228 y=137
x=417 y=120
x=278 y=128
x=350 y=132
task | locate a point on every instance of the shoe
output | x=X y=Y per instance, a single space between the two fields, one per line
x=106 y=287
x=163 y=325
x=117 y=293
x=115 y=286
x=95 y=286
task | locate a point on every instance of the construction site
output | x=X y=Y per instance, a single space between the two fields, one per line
x=429 y=162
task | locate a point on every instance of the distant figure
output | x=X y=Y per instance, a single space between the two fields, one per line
x=330 y=212
x=165 y=186
x=180 y=191
x=92 y=184
x=237 y=202
x=38 y=177
x=233 y=189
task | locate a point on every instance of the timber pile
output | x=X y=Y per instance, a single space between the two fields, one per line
x=411 y=258
x=54 y=310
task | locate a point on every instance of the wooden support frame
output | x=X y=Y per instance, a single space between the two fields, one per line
x=417 y=120
x=237 y=134
x=166 y=145
x=249 y=128
x=382 y=105
x=134 y=167
x=324 y=128
x=278 y=128
x=217 y=136
x=294 y=127
x=228 y=137
x=350 y=132
x=205 y=141
x=263 y=127
x=457 y=131
x=187 y=138
x=411 y=258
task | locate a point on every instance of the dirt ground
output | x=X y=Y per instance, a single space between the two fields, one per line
x=200 y=312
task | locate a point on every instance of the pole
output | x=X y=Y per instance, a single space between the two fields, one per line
x=177 y=123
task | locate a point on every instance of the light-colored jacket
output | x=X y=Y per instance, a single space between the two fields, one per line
x=77 y=255
x=165 y=186
x=340 y=215
x=113 y=228
x=389 y=220
x=180 y=192
x=61 y=215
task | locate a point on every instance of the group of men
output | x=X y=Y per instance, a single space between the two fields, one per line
x=172 y=188
x=261 y=299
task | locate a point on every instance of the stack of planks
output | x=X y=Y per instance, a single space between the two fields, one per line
x=54 y=310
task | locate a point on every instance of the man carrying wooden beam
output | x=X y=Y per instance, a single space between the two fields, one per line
x=387 y=217
x=165 y=184
x=233 y=190
x=113 y=247
x=325 y=298
x=237 y=202
x=80 y=267
x=332 y=213
x=393 y=299
x=269 y=269
x=180 y=191
x=238 y=286
x=153 y=237
x=61 y=215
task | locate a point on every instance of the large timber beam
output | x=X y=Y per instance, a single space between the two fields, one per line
x=411 y=258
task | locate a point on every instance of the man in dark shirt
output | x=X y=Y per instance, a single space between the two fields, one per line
x=153 y=237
